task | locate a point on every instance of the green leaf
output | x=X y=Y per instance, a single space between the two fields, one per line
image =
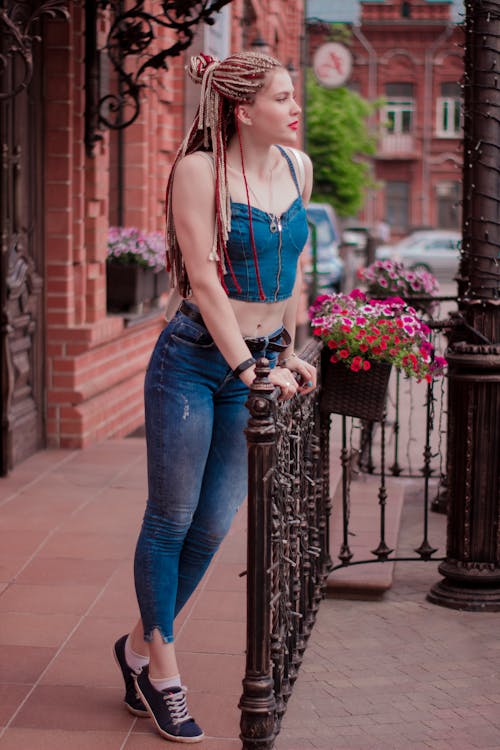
x=340 y=137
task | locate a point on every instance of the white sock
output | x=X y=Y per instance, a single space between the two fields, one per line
x=166 y=682
x=135 y=661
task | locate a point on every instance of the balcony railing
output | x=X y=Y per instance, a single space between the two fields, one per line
x=396 y=144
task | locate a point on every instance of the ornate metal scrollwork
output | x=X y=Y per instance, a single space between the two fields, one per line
x=132 y=34
x=18 y=26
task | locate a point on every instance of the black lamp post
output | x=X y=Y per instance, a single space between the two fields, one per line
x=472 y=567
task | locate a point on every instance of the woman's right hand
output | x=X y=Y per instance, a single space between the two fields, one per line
x=281 y=377
x=284 y=379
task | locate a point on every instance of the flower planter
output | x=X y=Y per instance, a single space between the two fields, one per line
x=354 y=394
x=129 y=287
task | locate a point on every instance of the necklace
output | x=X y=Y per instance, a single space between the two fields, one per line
x=274 y=220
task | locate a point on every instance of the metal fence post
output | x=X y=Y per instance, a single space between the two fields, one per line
x=258 y=703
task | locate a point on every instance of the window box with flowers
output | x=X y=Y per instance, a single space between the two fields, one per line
x=363 y=339
x=135 y=270
x=386 y=278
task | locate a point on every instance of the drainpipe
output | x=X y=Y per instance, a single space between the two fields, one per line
x=372 y=93
x=428 y=124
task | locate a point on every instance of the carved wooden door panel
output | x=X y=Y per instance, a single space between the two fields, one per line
x=22 y=265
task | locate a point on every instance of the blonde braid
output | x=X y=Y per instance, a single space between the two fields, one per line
x=235 y=80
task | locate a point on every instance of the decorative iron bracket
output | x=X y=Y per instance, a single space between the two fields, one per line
x=19 y=23
x=132 y=38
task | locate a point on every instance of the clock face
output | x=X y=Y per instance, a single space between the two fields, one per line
x=332 y=64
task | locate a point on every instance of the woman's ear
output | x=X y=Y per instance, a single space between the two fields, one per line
x=242 y=114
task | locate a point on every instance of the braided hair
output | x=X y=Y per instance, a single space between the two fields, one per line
x=224 y=84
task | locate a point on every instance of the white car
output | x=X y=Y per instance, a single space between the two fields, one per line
x=433 y=250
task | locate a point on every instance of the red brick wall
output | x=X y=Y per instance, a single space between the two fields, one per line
x=95 y=363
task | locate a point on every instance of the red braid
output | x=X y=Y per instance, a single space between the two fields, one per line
x=262 y=296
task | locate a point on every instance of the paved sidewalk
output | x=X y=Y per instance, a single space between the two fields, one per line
x=389 y=671
x=396 y=672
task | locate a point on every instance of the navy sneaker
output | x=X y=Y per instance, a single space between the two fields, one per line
x=131 y=700
x=168 y=709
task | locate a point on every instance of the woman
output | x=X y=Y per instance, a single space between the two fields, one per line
x=236 y=225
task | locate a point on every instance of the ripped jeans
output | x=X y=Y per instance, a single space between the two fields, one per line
x=197 y=467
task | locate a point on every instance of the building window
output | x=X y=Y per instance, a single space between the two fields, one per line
x=449 y=111
x=400 y=107
x=397 y=201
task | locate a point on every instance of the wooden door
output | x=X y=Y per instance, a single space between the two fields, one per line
x=22 y=262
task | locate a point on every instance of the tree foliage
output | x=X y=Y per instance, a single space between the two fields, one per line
x=339 y=140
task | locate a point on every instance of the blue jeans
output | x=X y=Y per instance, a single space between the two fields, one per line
x=197 y=467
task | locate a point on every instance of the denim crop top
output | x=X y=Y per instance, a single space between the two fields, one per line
x=277 y=251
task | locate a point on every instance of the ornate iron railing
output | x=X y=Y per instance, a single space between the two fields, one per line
x=401 y=445
x=134 y=51
x=289 y=512
x=288 y=547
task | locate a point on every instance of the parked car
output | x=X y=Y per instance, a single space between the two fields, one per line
x=330 y=270
x=434 y=250
x=356 y=236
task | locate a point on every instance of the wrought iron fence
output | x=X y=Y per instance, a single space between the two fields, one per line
x=288 y=547
x=401 y=445
x=289 y=511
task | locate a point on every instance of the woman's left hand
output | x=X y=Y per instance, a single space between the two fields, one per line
x=303 y=372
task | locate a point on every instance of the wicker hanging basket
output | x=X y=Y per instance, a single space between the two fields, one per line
x=354 y=394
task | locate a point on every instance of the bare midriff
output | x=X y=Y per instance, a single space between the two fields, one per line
x=256 y=318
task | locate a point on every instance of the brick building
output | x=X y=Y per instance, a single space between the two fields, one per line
x=409 y=55
x=72 y=372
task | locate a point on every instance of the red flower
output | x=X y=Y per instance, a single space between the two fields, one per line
x=366 y=365
x=344 y=353
x=332 y=344
x=363 y=347
x=334 y=359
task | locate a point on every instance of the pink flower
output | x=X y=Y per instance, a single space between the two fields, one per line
x=357 y=294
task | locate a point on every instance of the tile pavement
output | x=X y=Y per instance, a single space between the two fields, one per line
x=383 y=667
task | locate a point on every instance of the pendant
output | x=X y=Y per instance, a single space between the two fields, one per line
x=275 y=224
